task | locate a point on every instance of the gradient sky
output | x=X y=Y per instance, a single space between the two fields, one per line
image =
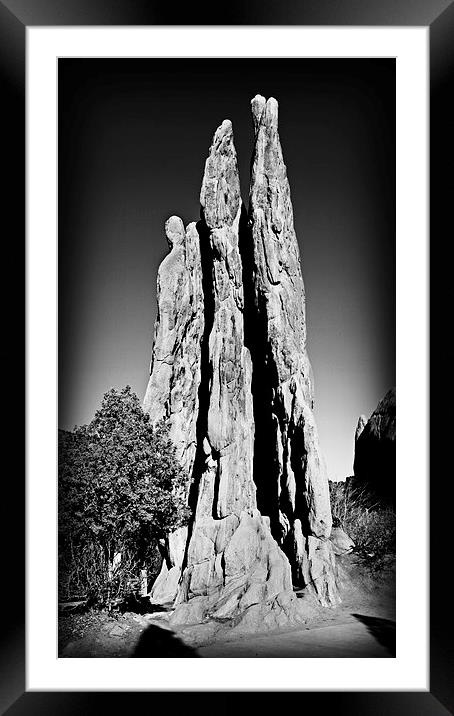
x=133 y=138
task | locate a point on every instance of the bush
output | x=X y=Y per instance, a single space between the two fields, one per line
x=120 y=491
x=369 y=522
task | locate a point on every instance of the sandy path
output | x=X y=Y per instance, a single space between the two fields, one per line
x=348 y=636
x=353 y=639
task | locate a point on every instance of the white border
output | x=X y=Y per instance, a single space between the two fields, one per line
x=409 y=671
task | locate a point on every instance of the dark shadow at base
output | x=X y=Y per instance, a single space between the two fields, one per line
x=156 y=642
x=383 y=630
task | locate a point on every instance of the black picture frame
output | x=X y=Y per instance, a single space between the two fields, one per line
x=15 y=17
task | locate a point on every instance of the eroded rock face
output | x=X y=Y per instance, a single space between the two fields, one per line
x=229 y=439
x=229 y=356
x=175 y=371
x=375 y=450
x=165 y=587
x=233 y=563
x=173 y=389
x=287 y=432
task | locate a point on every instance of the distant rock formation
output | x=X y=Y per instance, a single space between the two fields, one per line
x=361 y=424
x=375 y=450
x=231 y=375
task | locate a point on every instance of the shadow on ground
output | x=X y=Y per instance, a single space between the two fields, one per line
x=383 y=630
x=158 y=642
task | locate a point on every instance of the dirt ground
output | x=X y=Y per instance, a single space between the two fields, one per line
x=362 y=626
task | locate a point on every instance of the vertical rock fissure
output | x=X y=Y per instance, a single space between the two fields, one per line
x=217 y=478
x=205 y=378
x=298 y=462
x=264 y=381
x=205 y=370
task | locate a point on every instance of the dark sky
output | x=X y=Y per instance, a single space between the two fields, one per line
x=133 y=138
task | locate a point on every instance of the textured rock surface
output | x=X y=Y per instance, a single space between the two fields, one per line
x=227 y=486
x=233 y=563
x=227 y=291
x=165 y=587
x=172 y=391
x=237 y=571
x=175 y=372
x=375 y=450
x=291 y=466
x=342 y=543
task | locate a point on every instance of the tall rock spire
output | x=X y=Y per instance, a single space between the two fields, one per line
x=233 y=565
x=231 y=375
x=229 y=439
x=290 y=473
x=172 y=393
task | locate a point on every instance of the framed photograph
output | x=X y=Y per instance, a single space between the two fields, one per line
x=181 y=62
x=103 y=311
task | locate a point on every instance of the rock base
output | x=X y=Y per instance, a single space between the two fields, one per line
x=239 y=577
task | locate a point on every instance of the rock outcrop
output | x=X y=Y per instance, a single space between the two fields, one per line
x=375 y=451
x=231 y=374
x=342 y=543
x=291 y=472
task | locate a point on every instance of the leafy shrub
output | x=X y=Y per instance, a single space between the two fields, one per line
x=120 y=491
x=369 y=522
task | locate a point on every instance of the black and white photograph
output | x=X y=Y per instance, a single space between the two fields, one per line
x=223 y=216
x=227 y=357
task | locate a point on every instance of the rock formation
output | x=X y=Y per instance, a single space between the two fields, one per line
x=292 y=474
x=231 y=374
x=227 y=486
x=375 y=451
x=175 y=371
